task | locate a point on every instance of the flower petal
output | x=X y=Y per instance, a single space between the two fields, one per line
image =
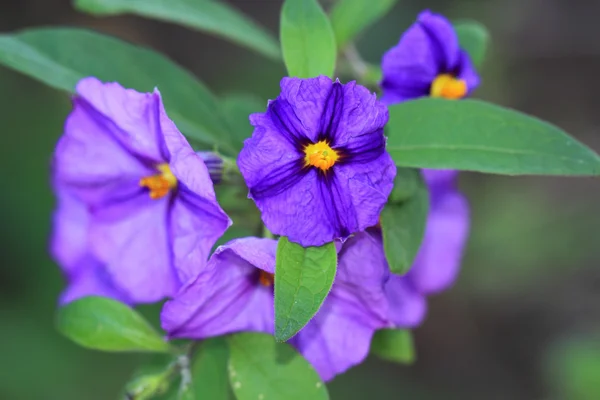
x=360 y=135
x=196 y=220
x=438 y=260
x=196 y=223
x=467 y=71
x=91 y=280
x=299 y=213
x=90 y=162
x=269 y=163
x=129 y=117
x=368 y=186
x=132 y=239
x=226 y=296
x=69 y=243
x=407 y=306
x=333 y=111
x=442 y=39
x=307 y=98
x=337 y=338
x=362 y=274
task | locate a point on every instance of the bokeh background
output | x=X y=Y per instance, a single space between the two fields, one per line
x=523 y=321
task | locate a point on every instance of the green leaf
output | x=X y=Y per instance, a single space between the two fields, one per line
x=394 y=345
x=303 y=278
x=350 y=17
x=403 y=227
x=307 y=39
x=209 y=369
x=406 y=183
x=104 y=324
x=474 y=38
x=61 y=57
x=237 y=109
x=477 y=136
x=210 y=16
x=260 y=368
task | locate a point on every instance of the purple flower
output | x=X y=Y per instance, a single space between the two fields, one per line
x=316 y=164
x=438 y=260
x=234 y=293
x=151 y=207
x=427 y=61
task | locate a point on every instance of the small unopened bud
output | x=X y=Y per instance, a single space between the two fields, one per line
x=214 y=163
x=146 y=387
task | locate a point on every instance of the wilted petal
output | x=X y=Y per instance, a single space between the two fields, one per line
x=226 y=296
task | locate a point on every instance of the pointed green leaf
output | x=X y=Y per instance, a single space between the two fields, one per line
x=210 y=16
x=394 y=345
x=350 y=17
x=474 y=38
x=61 y=57
x=209 y=369
x=307 y=39
x=260 y=368
x=477 y=136
x=104 y=324
x=403 y=227
x=303 y=278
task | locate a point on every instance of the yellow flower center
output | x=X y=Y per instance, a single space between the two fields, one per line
x=320 y=155
x=266 y=279
x=448 y=87
x=160 y=184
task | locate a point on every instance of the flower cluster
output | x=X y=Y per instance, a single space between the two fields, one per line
x=137 y=214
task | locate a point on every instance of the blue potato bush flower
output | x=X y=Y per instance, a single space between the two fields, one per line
x=427 y=61
x=137 y=206
x=316 y=164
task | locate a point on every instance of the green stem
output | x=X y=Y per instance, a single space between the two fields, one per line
x=267 y=233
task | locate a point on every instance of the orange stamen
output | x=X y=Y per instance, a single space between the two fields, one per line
x=160 y=184
x=266 y=279
x=448 y=87
x=320 y=155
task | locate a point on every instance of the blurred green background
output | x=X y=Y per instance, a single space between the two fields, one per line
x=523 y=321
